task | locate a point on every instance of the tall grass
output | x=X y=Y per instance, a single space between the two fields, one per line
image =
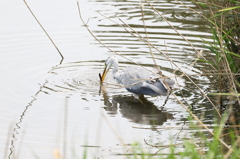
x=224 y=19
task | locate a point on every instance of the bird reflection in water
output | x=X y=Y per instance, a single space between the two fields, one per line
x=140 y=112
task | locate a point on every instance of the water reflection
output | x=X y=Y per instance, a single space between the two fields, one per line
x=140 y=112
x=17 y=128
x=144 y=112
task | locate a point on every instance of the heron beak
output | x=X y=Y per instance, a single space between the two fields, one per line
x=105 y=71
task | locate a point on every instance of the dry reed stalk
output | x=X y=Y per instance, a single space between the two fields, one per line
x=230 y=133
x=200 y=122
x=146 y=33
x=168 y=145
x=168 y=59
x=186 y=127
x=45 y=31
x=228 y=154
x=146 y=41
x=179 y=67
x=207 y=19
x=194 y=62
x=226 y=66
x=219 y=31
x=85 y=24
x=161 y=145
x=174 y=28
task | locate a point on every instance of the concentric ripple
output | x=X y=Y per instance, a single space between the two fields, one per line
x=76 y=77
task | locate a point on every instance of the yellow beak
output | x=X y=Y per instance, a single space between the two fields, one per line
x=105 y=71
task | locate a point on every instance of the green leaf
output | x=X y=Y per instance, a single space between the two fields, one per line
x=202 y=4
x=225 y=94
x=228 y=9
x=206 y=61
x=233 y=54
x=234 y=1
x=217 y=15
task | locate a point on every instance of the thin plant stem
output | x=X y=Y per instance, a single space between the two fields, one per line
x=146 y=33
x=206 y=19
x=45 y=31
x=147 y=42
x=201 y=123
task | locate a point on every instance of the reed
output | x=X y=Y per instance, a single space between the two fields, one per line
x=224 y=20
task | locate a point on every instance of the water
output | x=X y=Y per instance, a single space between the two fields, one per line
x=52 y=107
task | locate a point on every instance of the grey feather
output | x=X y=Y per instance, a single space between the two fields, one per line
x=138 y=80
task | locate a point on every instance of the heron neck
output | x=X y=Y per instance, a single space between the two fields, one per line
x=116 y=75
x=115 y=68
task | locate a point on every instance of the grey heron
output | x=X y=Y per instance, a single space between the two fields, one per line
x=137 y=80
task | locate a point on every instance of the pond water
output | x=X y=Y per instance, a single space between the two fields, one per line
x=52 y=108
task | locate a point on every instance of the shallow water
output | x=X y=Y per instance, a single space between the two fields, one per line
x=52 y=107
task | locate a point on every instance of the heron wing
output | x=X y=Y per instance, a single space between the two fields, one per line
x=137 y=80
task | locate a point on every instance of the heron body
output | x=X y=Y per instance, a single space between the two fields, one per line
x=136 y=79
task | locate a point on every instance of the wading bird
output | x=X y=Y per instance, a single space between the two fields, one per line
x=137 y=80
